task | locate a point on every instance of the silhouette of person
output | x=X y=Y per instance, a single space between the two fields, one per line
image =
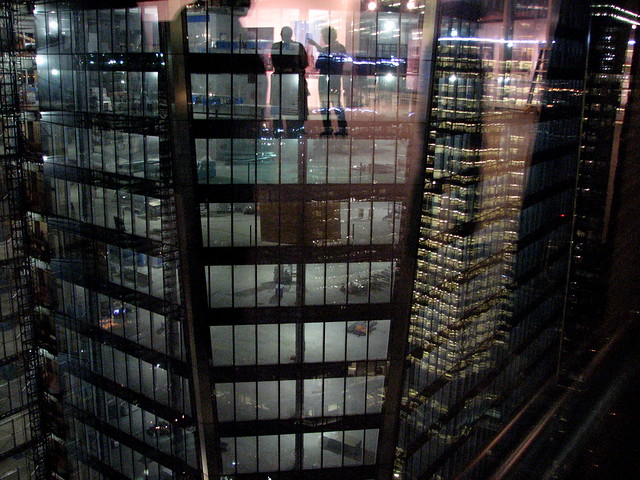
x=288 y=85
x=330 y=64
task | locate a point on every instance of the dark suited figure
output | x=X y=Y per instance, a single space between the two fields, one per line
x=288 y=85
x=330 y=64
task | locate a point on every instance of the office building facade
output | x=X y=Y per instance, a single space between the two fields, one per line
x=236 y=195
x=608 y=79
x=496 y=227
x=225 y=286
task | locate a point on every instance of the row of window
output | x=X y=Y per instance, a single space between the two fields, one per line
x=222 y=96
x=116 y=455
x=314 y=161
x=122 y=368
x=546 y=247
x=227 y=95
x=297 y=284
x=119 y=92
x=557 y=207
x=10 y=336
x=318 y=223
x=126 y=320
x=218 y=30
x=160 y=433
x=365 y=98
x=461 y=356
x=131 y=30
x=476 y=407
x=8 y=300
x=13 y=388
x=14 y=432
x=119 y=210
x=269 y=344
x=556 y=170
x=137 y=271
x=550 y=277
x=269 y=453
x=328 y=397
x=110 y=151
x=238 y=161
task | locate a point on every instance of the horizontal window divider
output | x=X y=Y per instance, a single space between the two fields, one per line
x=136 y=350
x=98 y=233
x=537 y=197
x=119 y=62
x=306 y=314
x=97 y=178
x=28 y=445
x=542 y=155
x=18 y=356
x=355 y=192
x=291 y=371
x=97 y=464
x=305 y=425
x=22 y=409
x=106 y=121
x=381 y=129
x=298 y=254
x=118 y=292
x=543 y=232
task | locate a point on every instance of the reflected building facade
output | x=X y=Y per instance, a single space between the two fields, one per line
x=240 y=300
x=608 y=78
x=493 y=255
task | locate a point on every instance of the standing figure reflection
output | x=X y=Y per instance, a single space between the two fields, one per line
x=330 y=64
x=288 y=85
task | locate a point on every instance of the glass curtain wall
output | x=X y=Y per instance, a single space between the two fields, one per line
x=494 y=238
x=302 y=116
x=124 y=371
x=610 y=54
x=300 y=157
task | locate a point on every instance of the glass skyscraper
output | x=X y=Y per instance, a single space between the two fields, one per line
x=608 y=79
x=493 y=253
x=303 y=239
x=227 y=229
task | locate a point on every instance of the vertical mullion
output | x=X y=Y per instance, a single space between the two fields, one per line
x=371 y=215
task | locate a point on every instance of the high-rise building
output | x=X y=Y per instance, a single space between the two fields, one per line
x=608 y=78
x=226 y=230
x=494 y=241
x=299 y=239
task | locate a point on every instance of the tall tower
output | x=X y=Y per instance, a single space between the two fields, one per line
x=237 y=192
x=111 y=193
x=608 y=75
x=227 y=224
x=493 y=252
